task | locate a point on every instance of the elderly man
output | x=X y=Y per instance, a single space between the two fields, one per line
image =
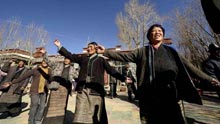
x=90 y=103
x=11 y=97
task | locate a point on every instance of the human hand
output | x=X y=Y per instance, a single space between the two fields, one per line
x=57 y=43
x=215 y=82
x=100 y=49
x=6 y=84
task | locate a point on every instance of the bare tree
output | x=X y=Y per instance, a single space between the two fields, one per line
x=192 y=32
x=35 y=36
x=15 y=35
x=8 y=33
x=133 y=23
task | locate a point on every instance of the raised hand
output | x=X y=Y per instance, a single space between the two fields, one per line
x=215 y=82
x=57 y=43
x=6 y=84
x=100 y=49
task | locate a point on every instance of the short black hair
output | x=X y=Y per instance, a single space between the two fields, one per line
x=67 y=58
x=93 y=43
x=151 y=28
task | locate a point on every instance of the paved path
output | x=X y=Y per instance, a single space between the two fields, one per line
x=208 y=113
x=120 y=111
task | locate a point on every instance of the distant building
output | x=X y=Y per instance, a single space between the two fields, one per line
x=37 y=57
x=7 y=54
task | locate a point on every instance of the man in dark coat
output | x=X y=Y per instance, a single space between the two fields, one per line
x=11 y=98
x=130 y=82
x=90 y=103
x=63 y=74
x=41 y=75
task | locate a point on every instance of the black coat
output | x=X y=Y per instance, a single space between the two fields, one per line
x=184 y=85
x=96 y=69
x=211 y=66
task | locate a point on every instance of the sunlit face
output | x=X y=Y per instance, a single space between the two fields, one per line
x=67 y=61
x=156 y=35
x=44 y=64
x=91 y=49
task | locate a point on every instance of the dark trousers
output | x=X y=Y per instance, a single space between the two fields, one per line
x=131 y=89
x=38 y=102
x=113 y=88
x=155 y=111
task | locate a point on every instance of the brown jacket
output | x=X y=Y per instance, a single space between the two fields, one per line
x=35 y=80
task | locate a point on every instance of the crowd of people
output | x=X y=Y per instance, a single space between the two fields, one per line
x=162 y=80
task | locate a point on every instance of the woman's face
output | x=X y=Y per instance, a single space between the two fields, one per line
x=156 y=35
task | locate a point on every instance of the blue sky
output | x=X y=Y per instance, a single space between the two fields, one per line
x=73 y=22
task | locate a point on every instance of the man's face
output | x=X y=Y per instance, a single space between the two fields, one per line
x=91 y=49
x=44 y=64
x=20 y=64
x=67 y=61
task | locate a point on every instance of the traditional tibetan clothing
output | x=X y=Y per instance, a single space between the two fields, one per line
x=90 y=103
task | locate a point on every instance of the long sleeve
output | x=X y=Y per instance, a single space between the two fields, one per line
x=6 y=66
x=198 y=73
x=73 y=57
x=122 y=56
x=24 y=77
x=113 y=72
x=51 y=64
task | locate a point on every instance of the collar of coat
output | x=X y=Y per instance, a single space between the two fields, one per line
x=93 y=55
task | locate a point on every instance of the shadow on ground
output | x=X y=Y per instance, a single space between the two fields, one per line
x=6 y=114
x=124 y=97
x=211 y=98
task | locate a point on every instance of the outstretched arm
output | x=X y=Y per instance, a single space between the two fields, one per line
x=130 y=56
x=113 y=72
x=198 y=73
x=64 y=52
x=57 y=43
